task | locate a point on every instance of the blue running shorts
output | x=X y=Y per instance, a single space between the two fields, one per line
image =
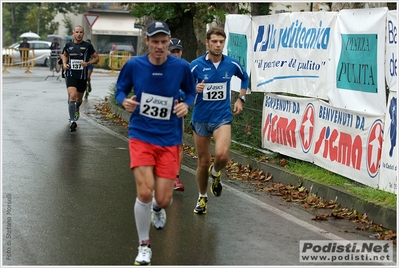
x=206 y=129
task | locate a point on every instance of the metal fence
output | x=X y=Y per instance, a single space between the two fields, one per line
x=117 y=59
x=26 y=58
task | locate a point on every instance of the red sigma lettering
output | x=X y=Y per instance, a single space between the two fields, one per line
x=280 y=130
x=340 y=148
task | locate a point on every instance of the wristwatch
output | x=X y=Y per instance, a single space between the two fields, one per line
x=242 y=98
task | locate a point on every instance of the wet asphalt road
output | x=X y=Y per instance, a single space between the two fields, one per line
x=68 y=197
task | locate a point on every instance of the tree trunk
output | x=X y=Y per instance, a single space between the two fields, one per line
x=258 y=9
x=143 y=49
x=14 y=31
x=229 y=8
x=183 y=28
x=391 y=6
x=200 y=32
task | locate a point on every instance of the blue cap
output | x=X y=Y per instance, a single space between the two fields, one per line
x=157 y=27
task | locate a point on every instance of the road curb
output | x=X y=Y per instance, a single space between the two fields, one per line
x=379 y=214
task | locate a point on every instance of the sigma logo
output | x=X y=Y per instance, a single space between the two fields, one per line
x=374 y=148
x=206 y=69
x=156 y=101
x=307 y=128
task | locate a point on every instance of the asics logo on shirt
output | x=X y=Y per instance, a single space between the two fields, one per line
x=213 y=87
x=206 y=69
x=156 y=101
x=157 y=74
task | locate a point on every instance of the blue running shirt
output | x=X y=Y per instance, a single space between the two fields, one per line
x=213 y=104
x=156 y=88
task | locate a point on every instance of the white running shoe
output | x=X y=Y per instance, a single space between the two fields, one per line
x=158 y=218
x=144 y=256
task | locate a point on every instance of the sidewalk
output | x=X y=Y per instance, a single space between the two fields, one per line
x=377 y=213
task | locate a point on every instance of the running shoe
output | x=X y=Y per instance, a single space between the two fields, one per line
x=73 y=126
x=216 y=184
x=158 y=218
x=144 y=256
x=201 y=206
x=178 y=185
x=76 y=115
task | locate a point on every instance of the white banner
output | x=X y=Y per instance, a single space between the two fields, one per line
x=342 y=141
x=348 y=143
x=389 y=158
x=391 y=58
x=238 y=44
x=291 y=53
x=342 y=57
x=359 y=78
x=288 y=124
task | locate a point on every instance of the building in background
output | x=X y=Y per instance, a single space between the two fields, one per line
x=114 y=25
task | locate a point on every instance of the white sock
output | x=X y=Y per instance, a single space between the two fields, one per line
x=214 y=172
x=155 y=205
x=142 y=215
x=203 y=195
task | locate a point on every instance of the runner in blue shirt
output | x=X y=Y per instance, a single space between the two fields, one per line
x=212 y=115
x=176 y=49
x=89 y=72
x=155 y=128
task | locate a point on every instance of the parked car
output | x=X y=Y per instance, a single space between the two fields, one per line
x=116 y=46
x=40 y=48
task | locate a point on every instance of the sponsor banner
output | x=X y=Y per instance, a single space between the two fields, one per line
x=391 y=50
x=389 y=158
x=359 y=81
x=344 y=251
x=238 y=44
x=291 y=53
x=332 y=56
x=348 y=143
x=288 y=125
x=342 y=141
